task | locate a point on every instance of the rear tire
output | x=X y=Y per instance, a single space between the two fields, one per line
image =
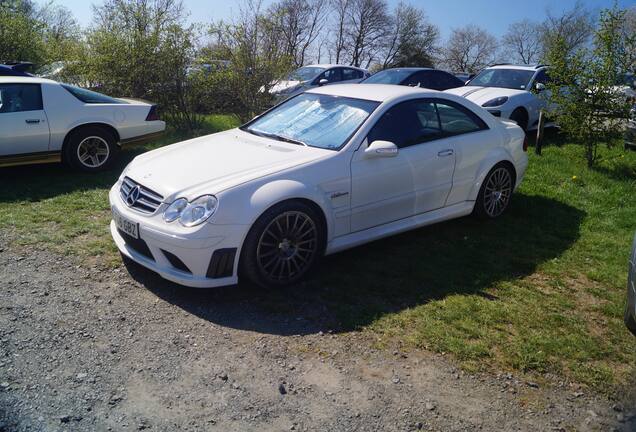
x=520 y=117
x=495 y=192
x=90 y=149
x=283 y=245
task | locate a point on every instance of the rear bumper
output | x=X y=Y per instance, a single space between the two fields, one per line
x=142 y=139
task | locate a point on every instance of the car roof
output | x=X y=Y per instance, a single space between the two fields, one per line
x=414 y=69
x=373 y=92
x=518 y=67
x=24 y=80
x=329 y=65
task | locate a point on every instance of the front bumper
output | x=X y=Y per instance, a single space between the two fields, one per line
x=205 y=256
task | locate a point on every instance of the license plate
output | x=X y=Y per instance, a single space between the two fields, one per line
x=129 y=227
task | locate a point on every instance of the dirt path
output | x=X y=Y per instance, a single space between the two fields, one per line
x=83 y=349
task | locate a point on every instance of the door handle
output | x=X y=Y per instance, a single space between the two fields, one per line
x=32 y=121
x=447 y=152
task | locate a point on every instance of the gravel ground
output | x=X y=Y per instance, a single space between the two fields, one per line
x=83 y=349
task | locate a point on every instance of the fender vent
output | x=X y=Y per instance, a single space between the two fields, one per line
x=176 y=262
x=221 y=263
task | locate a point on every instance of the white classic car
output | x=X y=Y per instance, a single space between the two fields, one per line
x=45 y=121
x=327 y=170
x=509 y=91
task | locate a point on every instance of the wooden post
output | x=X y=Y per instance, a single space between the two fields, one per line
x=540 y=126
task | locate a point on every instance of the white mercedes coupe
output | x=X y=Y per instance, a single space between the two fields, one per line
x=46 y=121
x=326 y=170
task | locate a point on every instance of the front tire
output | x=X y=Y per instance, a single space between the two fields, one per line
x=90 y=149
x=283 y=245
x=495 y=192
x=521 y=118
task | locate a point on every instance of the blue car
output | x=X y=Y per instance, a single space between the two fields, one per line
x=15 y=69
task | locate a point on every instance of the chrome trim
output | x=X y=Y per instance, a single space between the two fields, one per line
x=139 y=197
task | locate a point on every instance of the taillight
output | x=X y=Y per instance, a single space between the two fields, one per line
x=153 y=114
x=525 y=143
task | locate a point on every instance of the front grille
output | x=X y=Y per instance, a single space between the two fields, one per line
x=147 y=201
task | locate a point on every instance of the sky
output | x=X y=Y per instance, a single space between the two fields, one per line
x=493 y=15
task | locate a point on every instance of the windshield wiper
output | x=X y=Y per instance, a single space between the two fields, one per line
x=276 y=137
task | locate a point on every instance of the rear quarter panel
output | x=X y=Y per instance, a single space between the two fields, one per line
x=65 y=112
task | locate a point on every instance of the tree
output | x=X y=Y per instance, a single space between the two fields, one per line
x=367 y=24
x=257 y=57
x=341 y=9
x=411 y=40
x=572 y=29
x=590 y=109
x=142 y=49
x=61 y=33
x=470 y=49
x=522 y=42
x=299 y=23
x=20 y=32
x=628 y=33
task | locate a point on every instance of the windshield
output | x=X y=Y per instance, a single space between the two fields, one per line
x=315 y=120
x=305 y=73
x=391 y=76
x=91 y=97
x=506 y=78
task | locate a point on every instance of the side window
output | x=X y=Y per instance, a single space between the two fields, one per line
x=448 y=81
x=456 y=119
x=331 y=75
x=421 y=79
x=20 y=97
x=542 y=77
x=407 y=124
x=350 y=74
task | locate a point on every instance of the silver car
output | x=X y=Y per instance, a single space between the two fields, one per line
x=630 y=311
x=316 y=75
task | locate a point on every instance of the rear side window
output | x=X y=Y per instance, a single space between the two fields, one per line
x=457 y=120
x=20 y=97
x=351 y=74
x=90 y=97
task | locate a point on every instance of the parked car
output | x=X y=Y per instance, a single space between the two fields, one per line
x=630 y=310
x=416 y=77
x=326 y=170
x=15 y=69
x=630 y=131
x=45 y=121
x=316 y=75
x=509 y=91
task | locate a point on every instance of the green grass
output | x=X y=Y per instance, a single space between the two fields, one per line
x=542 y=289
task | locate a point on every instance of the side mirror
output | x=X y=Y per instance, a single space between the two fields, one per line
x=323 y=81
x=539 y=87
x=381 y=149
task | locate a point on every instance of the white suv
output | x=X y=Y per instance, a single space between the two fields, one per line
x=509 y=91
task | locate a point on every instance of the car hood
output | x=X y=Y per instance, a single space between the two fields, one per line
x=481 y=95
x=213 y=163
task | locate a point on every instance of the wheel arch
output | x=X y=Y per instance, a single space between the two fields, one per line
x=104 y=126
x=487 y=165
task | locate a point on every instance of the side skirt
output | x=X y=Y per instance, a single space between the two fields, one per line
x=30 y=158
x=375 y=233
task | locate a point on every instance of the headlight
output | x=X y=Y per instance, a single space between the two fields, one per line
x=496 y=102
x=174 y=210
x=191 y=213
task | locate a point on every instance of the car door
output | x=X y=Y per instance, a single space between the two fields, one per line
x=23 y=125
x=415 y=180
x=332 y=76
x=471 y=139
